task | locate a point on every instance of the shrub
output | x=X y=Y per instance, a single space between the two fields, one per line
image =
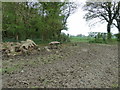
x=118 y=36
x=64 y=38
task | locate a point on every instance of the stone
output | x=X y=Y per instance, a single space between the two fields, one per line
x=54 y=44
x=46 y=48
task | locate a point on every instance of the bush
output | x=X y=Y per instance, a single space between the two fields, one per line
x=109 y=35
x=118 y=36
x=64 y=38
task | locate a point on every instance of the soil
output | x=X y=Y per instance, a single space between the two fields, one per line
x=80 y=65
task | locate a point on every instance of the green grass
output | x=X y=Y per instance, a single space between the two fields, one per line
x=72 y=39
x=36 y=40
x=92 y=40
x=114 y=86
x=35 y=87
x=80 y=39
x=112 y=41
x=10 y=69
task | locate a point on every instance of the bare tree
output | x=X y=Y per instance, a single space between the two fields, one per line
x=105 y=11
x=117 y=18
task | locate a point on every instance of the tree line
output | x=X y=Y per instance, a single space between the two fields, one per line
x=43 y=20
x=46 y=20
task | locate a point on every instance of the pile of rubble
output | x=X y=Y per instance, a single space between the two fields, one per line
x=25 y=48
x=54 y=44
x=17 y=48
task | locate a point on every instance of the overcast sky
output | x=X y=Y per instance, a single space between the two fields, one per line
x=77 y=25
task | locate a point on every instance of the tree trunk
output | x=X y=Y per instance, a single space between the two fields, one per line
x=17 y=37
x=119 y=28
x=109 y=31
x=118 y=23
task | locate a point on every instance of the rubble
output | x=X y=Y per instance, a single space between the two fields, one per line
x=27 y=47
x=54 y=44
x=16 y=48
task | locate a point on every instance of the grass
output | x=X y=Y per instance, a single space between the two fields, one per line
x=114 y=86
x=92 y=40
x=72 y=39
x=35 y=87
x=10 y=69
x=80 y=39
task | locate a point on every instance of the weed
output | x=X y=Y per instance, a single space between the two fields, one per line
x=114 y=86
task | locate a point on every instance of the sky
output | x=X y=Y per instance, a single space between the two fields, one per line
x=78 y=25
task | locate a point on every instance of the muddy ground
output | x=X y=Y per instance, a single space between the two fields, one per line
x=80 y=65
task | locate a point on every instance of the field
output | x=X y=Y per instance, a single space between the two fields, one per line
x=73 y=65
x=80 y=39
x=39 y=49
x=92 y=40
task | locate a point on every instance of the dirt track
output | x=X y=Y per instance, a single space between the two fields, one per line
x=81 y=66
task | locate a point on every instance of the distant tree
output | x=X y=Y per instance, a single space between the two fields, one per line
x=117 y=18
x=80 y=35
x=118 y=23
x=105 y=11
x=92 y=34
